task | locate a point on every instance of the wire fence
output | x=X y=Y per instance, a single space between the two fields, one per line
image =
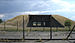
x=17 y=30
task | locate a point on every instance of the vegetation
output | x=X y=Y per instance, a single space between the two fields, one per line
x=68 y=24
x=62 y=19
x=1 y=21
x=33 y=29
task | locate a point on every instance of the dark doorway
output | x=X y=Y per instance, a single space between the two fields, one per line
x=43 y=21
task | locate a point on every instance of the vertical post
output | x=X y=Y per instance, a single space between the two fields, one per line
x=50 y=32
x=50 y=27
x=4 y=25
x=30 y=29
x=23 y=28
x=17 y=25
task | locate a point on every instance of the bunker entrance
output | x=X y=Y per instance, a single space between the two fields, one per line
x=43 y=21
x=43 y=24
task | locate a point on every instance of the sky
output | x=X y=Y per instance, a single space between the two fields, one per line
x=13 y=8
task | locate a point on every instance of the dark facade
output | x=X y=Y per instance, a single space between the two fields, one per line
x=43 y=21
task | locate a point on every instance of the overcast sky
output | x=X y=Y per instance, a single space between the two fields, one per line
x=12 y=8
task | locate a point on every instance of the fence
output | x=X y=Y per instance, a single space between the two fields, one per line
x=14 y=31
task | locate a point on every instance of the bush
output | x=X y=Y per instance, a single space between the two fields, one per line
x=1 y=21
x=67 y=23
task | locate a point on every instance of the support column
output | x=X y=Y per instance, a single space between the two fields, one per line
x=23 y=29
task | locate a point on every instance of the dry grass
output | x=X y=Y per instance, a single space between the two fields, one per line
x=14 y=20
x=62 y=19
x=33 y=29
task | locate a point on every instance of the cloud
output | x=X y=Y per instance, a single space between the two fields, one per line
x=34 y=12
x=73 y=18
x=37 y=5
x=63 y=10
x=1 y=15
x=53 y=5
x=62 y=3
x=66 y=6
x=61 y=7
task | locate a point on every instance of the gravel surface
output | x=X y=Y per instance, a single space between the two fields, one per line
x=37 y=35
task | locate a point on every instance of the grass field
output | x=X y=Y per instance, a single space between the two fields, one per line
x=33 y=29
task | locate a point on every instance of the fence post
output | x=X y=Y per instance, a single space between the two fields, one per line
x=50 y=28
x=50 y=32
x=4 y=25
x=23 y=28
x=17 y=25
